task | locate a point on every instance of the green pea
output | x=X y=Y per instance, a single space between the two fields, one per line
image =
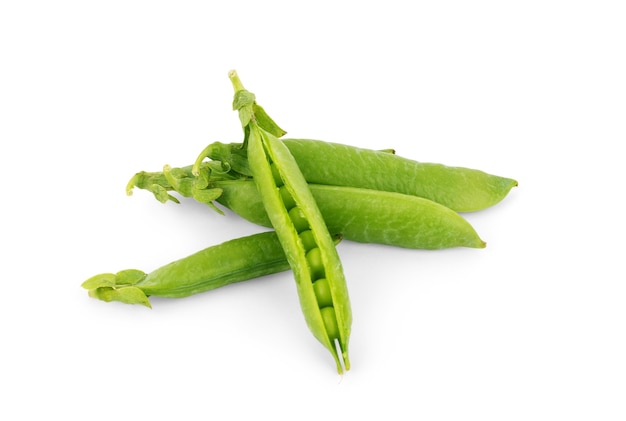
x=308 y=240
x=287 y=198
x=299 y=220
x=330 y=322
x=277 y=178
x=316 y=264
x=322 y=293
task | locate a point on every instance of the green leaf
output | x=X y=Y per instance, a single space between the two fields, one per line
x=240 y=165
x=207 y=197
x=161 y=194
x=245 y=115
x=243 y=103
x=266 y=122
x=130 y=277
x=183 y=185
x=202 y=179
x=127 y=295
x=101 y=280
x=243 y=99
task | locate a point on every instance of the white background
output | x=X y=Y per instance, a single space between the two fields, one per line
x=532 y=327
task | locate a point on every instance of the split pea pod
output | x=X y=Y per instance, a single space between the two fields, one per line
x=301 y=230
x=233 y=261
x=458 y=188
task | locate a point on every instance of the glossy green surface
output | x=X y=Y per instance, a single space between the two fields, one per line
x=367 y=216
x=272 y=166
x=460 y=189
x=233 y=261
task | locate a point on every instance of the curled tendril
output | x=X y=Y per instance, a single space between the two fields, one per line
x=191 y=181
x=219 y=168
x=154 y=183
x=196 y=187
x=206 y=153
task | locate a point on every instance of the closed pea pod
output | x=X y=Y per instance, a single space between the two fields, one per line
x=459 y=188
x=272 y=167
x=233 y=261
x=237 y=260
x=367 y=216
x=362 y=215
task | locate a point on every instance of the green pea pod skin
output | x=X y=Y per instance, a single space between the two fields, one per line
x=367 y=216
x=460 y=189
x=263 y=147
x=397 y=219
x=233 y=261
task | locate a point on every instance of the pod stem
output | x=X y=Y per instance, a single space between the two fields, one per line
x=234 y=78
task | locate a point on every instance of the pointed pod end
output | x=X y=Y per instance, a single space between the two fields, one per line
x=131 y=184
x=341 y=358
x=346 y=361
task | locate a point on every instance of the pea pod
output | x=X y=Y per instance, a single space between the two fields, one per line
x=273 y=167
x=216 y=266
x=362 y=215
x=368 y=216
x=232 y=261
x=458 y=188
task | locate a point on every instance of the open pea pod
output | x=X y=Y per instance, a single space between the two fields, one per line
x=300 y=227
